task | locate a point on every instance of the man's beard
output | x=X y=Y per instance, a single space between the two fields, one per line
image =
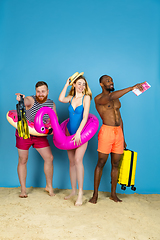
x=41 y=101
x=109 y=89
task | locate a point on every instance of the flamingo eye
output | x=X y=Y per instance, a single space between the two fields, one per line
x=42 y=129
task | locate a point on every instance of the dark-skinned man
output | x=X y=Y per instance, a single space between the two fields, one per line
x=110 y=137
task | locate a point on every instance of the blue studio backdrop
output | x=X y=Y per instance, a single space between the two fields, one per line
x=50 y=40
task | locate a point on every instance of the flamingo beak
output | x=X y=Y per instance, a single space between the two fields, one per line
x=50 y=130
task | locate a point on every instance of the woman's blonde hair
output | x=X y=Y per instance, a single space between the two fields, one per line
x=87 y=90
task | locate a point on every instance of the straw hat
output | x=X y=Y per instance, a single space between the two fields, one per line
x=74 y=77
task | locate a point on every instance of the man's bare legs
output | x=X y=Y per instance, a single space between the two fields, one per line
x=102 y=158
x=48 y=169
x=115 y=158
x=77 y=171
x=22 y=171
x=47 y=156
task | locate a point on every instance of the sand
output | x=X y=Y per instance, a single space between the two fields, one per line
x=43 y=217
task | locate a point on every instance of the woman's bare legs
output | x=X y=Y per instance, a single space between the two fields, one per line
x=79 y=153
x=72 y=170
x=77 y=171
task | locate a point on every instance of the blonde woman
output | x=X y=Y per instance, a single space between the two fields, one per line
x=79 y=99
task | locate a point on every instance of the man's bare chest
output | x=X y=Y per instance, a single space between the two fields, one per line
x=112 y=105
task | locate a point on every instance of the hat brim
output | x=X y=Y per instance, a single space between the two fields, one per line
x=72 y=81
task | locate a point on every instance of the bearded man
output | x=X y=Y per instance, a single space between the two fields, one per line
x=110 y=137
x=40 y=143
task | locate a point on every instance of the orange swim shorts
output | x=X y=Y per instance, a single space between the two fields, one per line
x=110 y=139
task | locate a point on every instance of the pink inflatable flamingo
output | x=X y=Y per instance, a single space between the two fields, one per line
x=60 y=140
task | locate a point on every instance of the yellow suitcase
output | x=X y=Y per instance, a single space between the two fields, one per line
x=127 y=169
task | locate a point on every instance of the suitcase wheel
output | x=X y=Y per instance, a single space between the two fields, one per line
x=123 y=187
x=133 y=188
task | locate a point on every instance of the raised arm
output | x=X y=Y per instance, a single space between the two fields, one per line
x=28 y=101
x=117 y=94
x=120 y=93
x=62 y=96
x=77 y=136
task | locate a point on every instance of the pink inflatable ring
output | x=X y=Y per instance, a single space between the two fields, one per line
x=12 y=119
x=60 y=140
